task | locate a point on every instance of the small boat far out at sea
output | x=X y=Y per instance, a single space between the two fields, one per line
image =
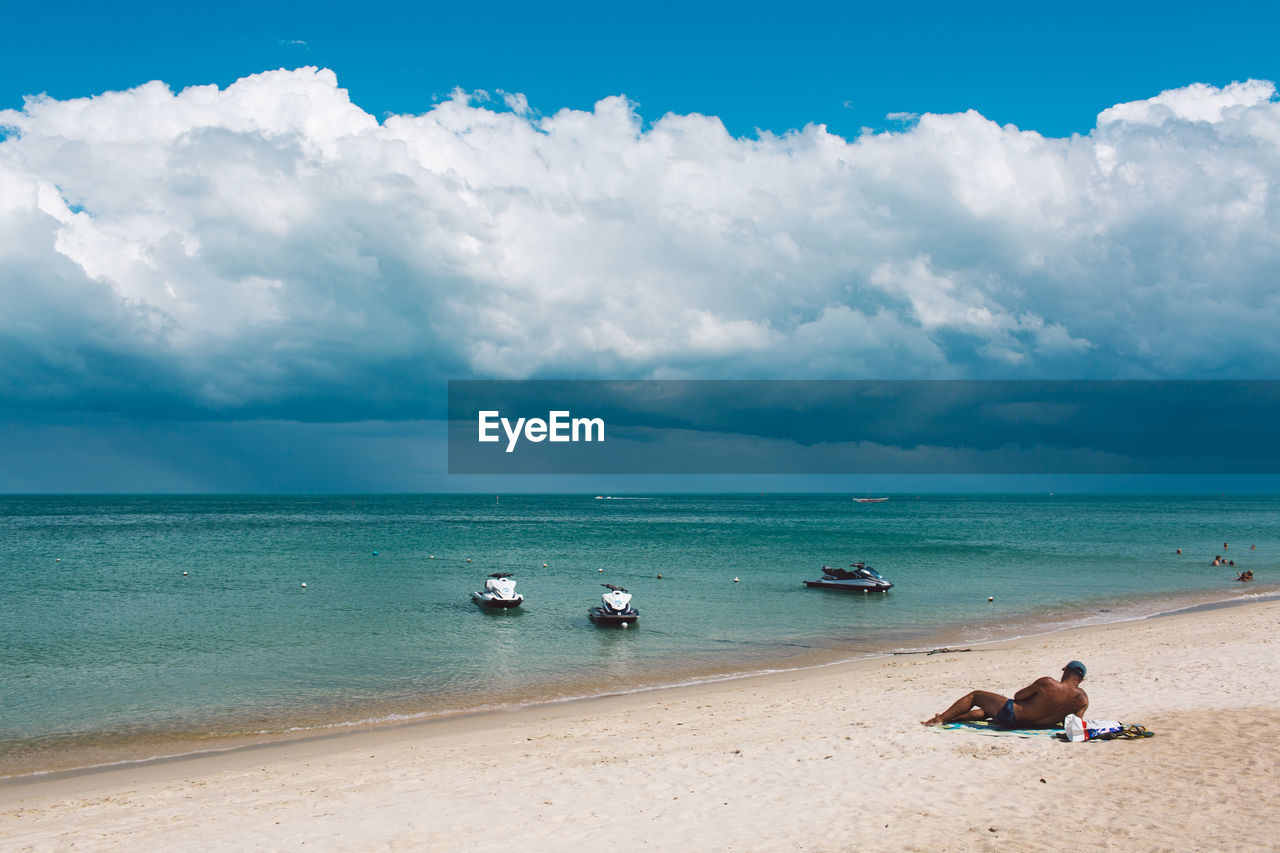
x=870 y=500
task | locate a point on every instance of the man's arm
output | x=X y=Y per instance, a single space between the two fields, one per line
x=1031 y=689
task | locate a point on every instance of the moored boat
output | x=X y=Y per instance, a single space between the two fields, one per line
x=615 y=608
x=857 y=578
x=499 y=592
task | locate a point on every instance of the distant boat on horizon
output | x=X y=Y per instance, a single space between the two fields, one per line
x=870 y=500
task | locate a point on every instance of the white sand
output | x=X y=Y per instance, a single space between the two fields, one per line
x=825 y=759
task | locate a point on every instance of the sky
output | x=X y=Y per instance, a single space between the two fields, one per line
x=244 y=248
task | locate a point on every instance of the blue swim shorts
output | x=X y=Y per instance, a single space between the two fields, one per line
x=1005 y=717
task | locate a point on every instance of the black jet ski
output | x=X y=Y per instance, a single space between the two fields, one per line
x=615 y=608
x=859 y=577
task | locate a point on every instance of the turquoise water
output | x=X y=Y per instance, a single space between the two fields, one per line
x=104 y=641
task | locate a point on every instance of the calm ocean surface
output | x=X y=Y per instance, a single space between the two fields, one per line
x=107 y=650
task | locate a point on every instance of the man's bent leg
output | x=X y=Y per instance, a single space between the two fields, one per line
x=977 y=705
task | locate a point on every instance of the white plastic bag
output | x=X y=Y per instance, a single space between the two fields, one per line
x=1079 y=730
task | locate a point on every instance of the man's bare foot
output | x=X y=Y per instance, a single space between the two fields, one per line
x=935 y=720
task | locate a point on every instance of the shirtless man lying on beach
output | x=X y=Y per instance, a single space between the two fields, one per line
x=1040 y=705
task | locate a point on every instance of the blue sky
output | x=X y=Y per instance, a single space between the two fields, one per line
x=755 y=65
x=262 y=282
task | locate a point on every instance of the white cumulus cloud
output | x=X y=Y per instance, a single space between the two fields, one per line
x=271 y=246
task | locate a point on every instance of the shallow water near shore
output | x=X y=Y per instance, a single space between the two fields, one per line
x=108 y=651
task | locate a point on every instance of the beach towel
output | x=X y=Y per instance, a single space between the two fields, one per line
x=986 y=727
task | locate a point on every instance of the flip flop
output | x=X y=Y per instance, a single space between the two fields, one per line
x=1128 y=733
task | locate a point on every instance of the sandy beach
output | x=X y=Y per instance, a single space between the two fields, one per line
x=832 y=758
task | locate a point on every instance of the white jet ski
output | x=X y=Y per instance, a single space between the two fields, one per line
x=615 y=608
x=499 y=592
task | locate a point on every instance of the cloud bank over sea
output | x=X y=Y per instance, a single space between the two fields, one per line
x=272 y=250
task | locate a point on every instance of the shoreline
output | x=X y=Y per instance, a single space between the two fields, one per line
x=120 y=660
x=183 y=748
x=743 y=763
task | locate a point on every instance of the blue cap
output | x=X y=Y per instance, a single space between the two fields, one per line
x=1076 y=666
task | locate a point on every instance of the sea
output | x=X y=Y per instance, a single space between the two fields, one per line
x=139 y=627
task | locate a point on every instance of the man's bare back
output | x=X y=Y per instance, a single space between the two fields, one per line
x=1043 y=703
x=1046 y=701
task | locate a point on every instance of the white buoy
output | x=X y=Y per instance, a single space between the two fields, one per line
x=184 y=574
x=468 y=559
x=991 y=598
x=433 y=556
x=735 y=580
x=544 y=565
x=626 y=625
x=304 y=586
x=599 y=570
x=58 y=560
